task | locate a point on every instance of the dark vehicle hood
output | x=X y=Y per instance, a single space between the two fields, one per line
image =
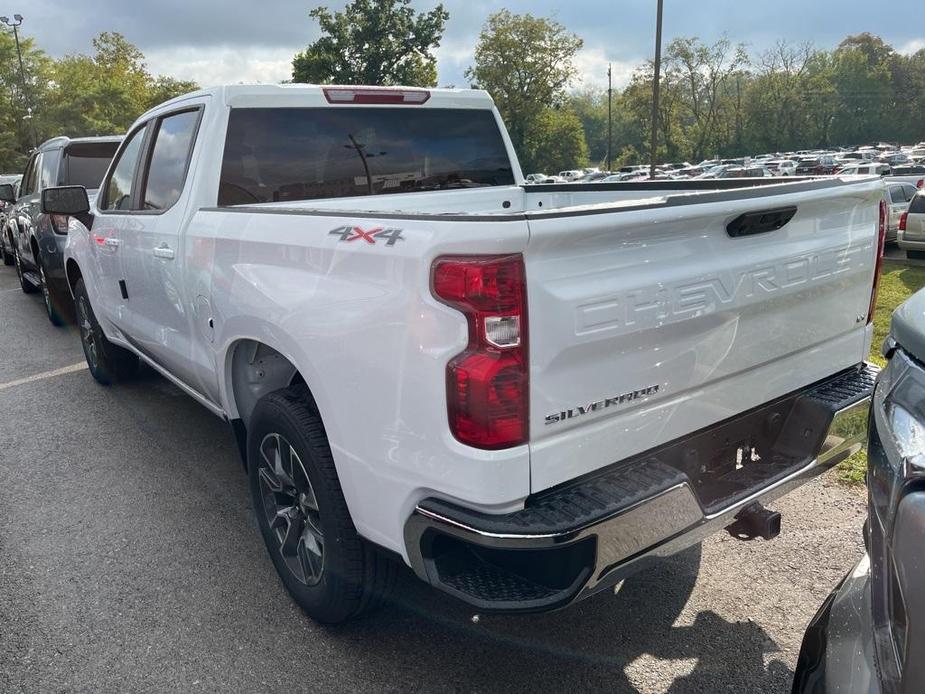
x=908 y=325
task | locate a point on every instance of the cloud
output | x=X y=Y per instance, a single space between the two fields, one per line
x=238 y=40
x=223 y=64
x=592 y=65
x=910 y=47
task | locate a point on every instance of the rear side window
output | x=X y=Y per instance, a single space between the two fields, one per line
x=119 y=187
x=917 y=206
x=85 y=163
x=289 y=154
x=169 y=159
x=29 y=178
x=897 y=194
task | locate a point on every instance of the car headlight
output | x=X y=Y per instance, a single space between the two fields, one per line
x=905 y=410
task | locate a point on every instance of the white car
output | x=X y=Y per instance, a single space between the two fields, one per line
x=898 y=197
x=523 y=394
x=864 y=169
x=571 y=175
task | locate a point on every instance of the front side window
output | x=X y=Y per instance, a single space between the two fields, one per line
x=167 y=169
x=289 y=154
x=119 y=187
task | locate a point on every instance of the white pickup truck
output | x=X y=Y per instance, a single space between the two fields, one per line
x=524 y=392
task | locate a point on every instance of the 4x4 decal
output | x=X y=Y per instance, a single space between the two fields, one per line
x=390 y=235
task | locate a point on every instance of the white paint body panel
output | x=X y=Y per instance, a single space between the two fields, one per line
x=359 y=323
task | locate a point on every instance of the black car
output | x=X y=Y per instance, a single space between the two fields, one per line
x=37 y=240
x=6 y=248
x=869 y=635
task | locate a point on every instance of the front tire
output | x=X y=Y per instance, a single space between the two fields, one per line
x=107 y=362
x=330 y=572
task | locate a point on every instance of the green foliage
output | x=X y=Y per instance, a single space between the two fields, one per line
x=897 y=283
x=526 y=63
x=104 y=93
x=16 y=131
x=716 y=100
x=77 y=95
x=381 y=42
x=554 y=141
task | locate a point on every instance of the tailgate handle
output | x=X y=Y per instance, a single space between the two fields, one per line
x=760 y=222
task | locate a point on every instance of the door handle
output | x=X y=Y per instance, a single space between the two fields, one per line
x=115 y=243
x=164 y=251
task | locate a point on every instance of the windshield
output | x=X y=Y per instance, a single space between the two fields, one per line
x=289 y=154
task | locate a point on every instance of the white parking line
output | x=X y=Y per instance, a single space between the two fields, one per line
x=42 y=376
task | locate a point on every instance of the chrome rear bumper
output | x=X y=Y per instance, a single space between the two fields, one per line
x=598 y=531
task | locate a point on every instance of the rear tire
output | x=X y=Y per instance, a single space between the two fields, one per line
x=330 y=572
x=7 y=257
x=51 y=302
x=107 y=362
x=27 y=286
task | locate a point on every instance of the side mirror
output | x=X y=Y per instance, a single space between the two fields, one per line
x=66 y=200
x=6 y=193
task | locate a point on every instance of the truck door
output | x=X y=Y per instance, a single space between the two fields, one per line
x=161 y=312
x=114 y=222
x=26 y=206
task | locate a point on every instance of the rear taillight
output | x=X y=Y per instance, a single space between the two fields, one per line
x=920 y=184
x=878 y=263
x=487 y=385
x=902 y=221
x=374 y=95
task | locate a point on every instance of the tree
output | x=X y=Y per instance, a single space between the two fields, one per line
x=554 y=140
x=16 y=130
x=526 y=63
x=104 y=93
x=381 y=42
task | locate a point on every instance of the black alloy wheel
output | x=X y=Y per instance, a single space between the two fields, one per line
x=291 y=509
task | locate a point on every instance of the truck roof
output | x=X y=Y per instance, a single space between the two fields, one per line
x=63 y=141
x=314 y=95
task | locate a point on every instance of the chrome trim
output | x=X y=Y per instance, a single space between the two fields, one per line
x=659 y=526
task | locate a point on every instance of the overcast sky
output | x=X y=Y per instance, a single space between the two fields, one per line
x=221 y=41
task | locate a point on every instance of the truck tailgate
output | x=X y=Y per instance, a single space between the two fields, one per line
x=652 y=322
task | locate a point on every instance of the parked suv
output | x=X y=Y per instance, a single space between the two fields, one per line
x=36 y=239
x=899 y=195
x=869 y=634
x=911 y=234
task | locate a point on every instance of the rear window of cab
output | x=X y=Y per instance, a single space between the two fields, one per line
x=291 y=154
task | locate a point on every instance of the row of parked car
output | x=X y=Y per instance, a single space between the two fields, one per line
x=879 y=160
x=362 y=326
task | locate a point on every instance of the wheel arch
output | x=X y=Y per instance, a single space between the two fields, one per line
x=253 y=368
x=72 y=273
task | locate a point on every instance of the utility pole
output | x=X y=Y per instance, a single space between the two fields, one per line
x=655 y=85
x=14 y=25
x=609 y=119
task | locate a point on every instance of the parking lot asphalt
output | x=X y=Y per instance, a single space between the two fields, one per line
x=130 y=561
